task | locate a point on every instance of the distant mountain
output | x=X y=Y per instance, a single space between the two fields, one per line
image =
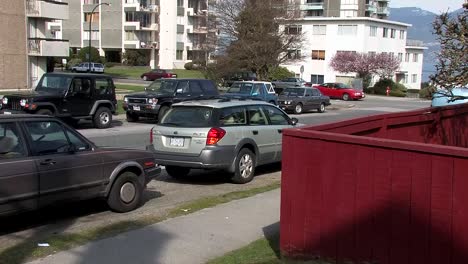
x=421 y=21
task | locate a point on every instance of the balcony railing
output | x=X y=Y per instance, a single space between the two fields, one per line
x=47 y=9
x=414 y=43
x=312 y=6
x=383 y=10
x=48 y=47
x=371 y=8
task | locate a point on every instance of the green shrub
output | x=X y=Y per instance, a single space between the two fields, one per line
x=369 y=90
x=136 y=58
x=280 y=73
x=396 y=89
x=188 y=66
x=83 y=54
x=427 y=92
x=397 y=93
x=413 y=90
x=73 y=62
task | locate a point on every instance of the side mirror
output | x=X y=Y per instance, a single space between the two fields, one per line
x=72 y=148
x=294 y=121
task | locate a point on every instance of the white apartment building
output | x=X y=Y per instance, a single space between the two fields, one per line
x=325 y=36
x=169 y=33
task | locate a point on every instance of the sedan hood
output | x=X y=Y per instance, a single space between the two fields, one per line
x=32 y=94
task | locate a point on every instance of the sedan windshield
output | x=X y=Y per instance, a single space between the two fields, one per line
x=293 y=92
x=241 y=88
x=188 y=116
x=342 y=86
x=54 y=84
x=167 y=87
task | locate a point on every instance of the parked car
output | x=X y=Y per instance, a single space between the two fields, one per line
x=260 y=90
x=157 y=74
x=340 y=91
x=298 y=100
x=288 y=83
x=45 y=162
x=239 y=76
x=444 y=97
x=71 y=96
x=158 y=97
x=233 y=135
x=84 y=67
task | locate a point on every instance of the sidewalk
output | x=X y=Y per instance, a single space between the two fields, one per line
x=194 y=238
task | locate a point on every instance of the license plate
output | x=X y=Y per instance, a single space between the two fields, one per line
x=176 y=142
x=136 y=108
x=7 y=113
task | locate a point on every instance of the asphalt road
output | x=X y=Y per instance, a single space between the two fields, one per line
x=166 y=193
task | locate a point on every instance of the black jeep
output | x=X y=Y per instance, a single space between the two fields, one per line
x=158 y=97
x=68 y=96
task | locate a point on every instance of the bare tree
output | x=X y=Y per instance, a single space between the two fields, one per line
x=365 y=65
x=452 y=61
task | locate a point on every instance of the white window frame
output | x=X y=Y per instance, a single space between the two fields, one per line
x=373 y=31
x=319 y=29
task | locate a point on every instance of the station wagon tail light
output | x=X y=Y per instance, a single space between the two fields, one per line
x=149 y=164
x=151 y=135
x=215 y=135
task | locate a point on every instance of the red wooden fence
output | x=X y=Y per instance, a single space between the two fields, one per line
x=384 y=189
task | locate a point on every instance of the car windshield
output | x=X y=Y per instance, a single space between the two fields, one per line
x=54 y=84
x=188 y=116
x=342 y=86
x=241 y=88
x=98 y=65
x=163 y=87
x=293 y=92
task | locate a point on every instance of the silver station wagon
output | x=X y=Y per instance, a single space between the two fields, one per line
x=235 y=135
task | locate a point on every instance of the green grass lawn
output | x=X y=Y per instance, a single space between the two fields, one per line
x=136 y=71
x=125 y=88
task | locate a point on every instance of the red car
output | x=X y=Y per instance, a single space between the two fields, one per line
x=340 y=91
x=157 y=74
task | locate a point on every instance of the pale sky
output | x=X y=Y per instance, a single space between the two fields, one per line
x=435 y=6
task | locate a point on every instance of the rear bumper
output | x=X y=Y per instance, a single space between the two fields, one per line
x=145 y=109
x=152 y=173
x=214 y=157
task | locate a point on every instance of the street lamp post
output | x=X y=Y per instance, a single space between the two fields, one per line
x=90 y=21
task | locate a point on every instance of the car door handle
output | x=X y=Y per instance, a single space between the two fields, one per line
x=48 y=162
x=280 y=131
x=255 y=132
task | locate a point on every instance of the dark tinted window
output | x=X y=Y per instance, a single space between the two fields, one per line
x=258 y=89
x=310 y=92
x=81 y=86
x=183 y=87
x=195 y=87
x=54 y=84
x=277 y=118
x=315 y=92
x=293 y=92
x=103 y=86
x=165 y=87
x=48 y=137
x=188 y=116
x=233 y=116
x=78 y=143
x=11 y=145
x=241 y=88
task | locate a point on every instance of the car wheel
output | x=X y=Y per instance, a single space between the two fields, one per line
x=102 y=118
x=345 y=97
x=126 y=193
x=298 y=109
x=177 y=172
x=45 y=112
x=321 y=109
x=244 y=166
x=162 y=111
x=132 y=117
x=145 y=78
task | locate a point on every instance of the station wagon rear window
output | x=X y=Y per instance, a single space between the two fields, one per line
x=188 y=116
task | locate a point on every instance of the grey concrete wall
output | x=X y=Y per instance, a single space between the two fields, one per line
x=13 y=45
x=72 y=26
x=111 y=25
x=362 y=8
x=332 y=8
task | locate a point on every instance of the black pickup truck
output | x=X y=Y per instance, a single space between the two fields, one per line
x=158 y=97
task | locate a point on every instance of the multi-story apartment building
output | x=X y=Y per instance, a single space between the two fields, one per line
x=326 y=36
x=168 y=33
x=345 y=8
x=27 y=46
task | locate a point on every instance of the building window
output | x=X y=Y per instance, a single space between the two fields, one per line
x=314 y=13
x=407 y=57
x=372 y=53
x=414 y=78
x=415 y=57
x=91 y=2
x=94 y=35
x=180 y=2
x=373 y=31
x=385 y=32
x=130 y=35
x=317 y=79
x=318 y=54
x=393 y=33
x=179 y=54
x=405 y=79
x=348 y=13
x=319 y=30
x=293 y=30
x=294 y=54
x=400 y=57
x=402 y=34
x=94 y=16
x=347 y=30
x=392 y=54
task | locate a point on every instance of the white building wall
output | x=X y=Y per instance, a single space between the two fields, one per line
x=167 y=33
x=360 y=42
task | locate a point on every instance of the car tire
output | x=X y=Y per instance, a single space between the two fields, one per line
x=126 y=193
x=102 y=118
x=145 y=78
x=45 y=112
x=132 y=117
x=345 y=97
x=162 y=111
x=321 y=109
x=177 y=172
x=244 y=167
x=298 y=109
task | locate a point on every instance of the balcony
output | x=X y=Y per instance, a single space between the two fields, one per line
x=42 y=47
x=371 y=8
x=136 y=6
x=312 y=6
x=141 y=44
x=47 y=9
x=383 y=11
x=150 y=27
x=414 y=43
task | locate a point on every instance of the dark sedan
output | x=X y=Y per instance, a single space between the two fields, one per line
x=45 y=162
x=298 y=100
x=157 y=74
